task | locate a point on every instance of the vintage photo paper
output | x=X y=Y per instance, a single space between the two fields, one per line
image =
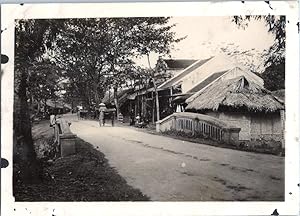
x=150 y=108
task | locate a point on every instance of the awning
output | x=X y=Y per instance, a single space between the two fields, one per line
x=181 y=98
x=53 y=104
x=57 y=104
x=132 y=96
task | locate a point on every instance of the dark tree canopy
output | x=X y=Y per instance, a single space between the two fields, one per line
x=96 y=54
x=274 y=76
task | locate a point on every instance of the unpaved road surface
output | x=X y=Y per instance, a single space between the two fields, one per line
x=167 y=169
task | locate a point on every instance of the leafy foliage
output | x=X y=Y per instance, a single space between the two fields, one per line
x=274 y=75
x=96 y=54
x=44 y=78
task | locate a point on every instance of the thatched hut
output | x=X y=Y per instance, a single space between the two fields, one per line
x=244 y=104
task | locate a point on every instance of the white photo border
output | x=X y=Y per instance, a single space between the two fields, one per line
x=290 y=206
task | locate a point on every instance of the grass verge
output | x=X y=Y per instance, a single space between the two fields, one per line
x=85 y=176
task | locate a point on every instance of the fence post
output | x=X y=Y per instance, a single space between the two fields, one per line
x=193 y=127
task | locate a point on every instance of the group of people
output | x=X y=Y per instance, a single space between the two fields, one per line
x=139 y=120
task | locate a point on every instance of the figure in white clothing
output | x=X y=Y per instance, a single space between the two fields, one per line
x=52 y=120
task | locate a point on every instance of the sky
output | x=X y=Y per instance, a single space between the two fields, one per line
x=207 y=35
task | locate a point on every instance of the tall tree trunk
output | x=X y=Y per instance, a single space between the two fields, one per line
x=116 y=100
x=138 y=100
x=153 y=109
x=156 y=101
x=97 y=98
x=155 y=90
x=45 y=106
x=25 y=148
x=38 y=107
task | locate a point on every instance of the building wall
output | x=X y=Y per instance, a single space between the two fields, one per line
x=216 y=64
x=266 y=127
x=238 y=120
x=253 y=126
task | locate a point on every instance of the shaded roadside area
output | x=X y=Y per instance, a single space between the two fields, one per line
x=85 y=176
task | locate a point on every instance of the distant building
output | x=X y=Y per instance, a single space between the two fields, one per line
x=142 y=99
x=123 y=101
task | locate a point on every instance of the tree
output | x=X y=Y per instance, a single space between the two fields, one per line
x=141 y=36
x=95 y=54
x=44 y=82
x=29 y=38
x=80 y=52
x=274 y=74
x=99 y=52
x=157 y=37
x=32 y=37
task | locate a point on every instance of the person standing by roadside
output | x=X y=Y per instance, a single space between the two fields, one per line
x=113 y=118
x=132 y=120
x=52 y=124
x=52 y=119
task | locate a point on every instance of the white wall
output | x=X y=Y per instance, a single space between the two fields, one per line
x=174 y=72
x=216 y=64
x=267 y=127
x=254 y=126
x=237 y=120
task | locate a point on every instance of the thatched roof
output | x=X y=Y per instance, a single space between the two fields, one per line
x=236 y=93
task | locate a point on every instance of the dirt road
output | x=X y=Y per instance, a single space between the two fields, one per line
x=167 y=169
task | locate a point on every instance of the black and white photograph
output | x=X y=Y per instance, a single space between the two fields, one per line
x=149 y=108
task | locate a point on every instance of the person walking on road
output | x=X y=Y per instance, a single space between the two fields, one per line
x=101 y=118
x=101 y=114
